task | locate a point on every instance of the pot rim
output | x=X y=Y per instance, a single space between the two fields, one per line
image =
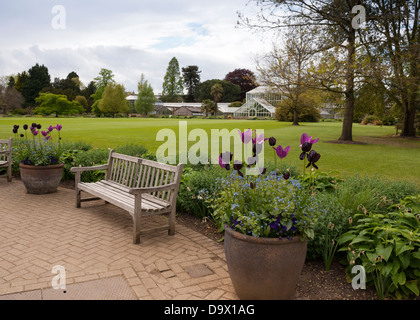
x=50 y=166
x=261 y=240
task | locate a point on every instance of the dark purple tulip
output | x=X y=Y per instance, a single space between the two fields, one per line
x=306 y=146
x=38 y=126
x=25 y=127
x=237 y=165
x=313 y=157
x=286 y=176
x=33 y=125
x=21 y=135
x=272 y=141
x=252 y=185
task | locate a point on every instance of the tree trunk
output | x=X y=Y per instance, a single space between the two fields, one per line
x=347 y=130
x=295 y=118
x=408 y=128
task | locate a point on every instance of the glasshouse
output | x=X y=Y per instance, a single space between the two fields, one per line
x=260 y=102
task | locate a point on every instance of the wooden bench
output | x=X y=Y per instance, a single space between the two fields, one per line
x=141 y=187
x=6 y=157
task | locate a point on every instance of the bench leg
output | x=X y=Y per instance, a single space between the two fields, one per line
x=136 y=228
x=9 y=174
x=171 y=230
x=78 y=198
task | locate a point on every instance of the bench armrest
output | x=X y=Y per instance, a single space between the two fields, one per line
x=5 y=151
x=82 y=169
x=152 y=189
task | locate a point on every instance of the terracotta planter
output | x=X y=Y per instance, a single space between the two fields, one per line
x=264 y=268
x=41 y=179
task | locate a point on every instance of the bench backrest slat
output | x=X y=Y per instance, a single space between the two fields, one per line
x=135 y=172
x=5 y=145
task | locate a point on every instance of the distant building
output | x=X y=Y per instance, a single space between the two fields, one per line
x=260 y=102
x=188 y=111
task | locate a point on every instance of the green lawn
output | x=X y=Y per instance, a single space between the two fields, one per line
x=384 y=155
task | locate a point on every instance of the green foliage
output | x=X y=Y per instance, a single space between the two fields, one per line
x=146 y=99
x=195 y=185
x=231 y=92
x=388 y=247
x=264 y=206
x=191 y=79
x=37 y=78
x=113 y=100
x=172 y=84
x=104 y=78
x=58 y=104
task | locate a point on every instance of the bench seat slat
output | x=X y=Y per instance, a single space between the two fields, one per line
x=122 y=199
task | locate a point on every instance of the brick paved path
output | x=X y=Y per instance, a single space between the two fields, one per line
x=38 y=232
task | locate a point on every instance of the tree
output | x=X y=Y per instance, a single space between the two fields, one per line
x=146 y=98
x=38 y=78
x=59 y=104
x=287 y=68
x=207 y=106
x=244 y=78
x=113 y=100
x=392 y=45
x=70 y=86
x=334 y=19
x=88 y=92
x=231 y=92
x=191 y=79
x=10 y=99
x=172 y=84
x=308 y=104
x=21 y=80
x=216 y=91
x=104 y=78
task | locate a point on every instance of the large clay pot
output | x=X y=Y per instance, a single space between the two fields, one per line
x=41 y=179
x=264 y=268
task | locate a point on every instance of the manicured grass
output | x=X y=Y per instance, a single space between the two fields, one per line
x=392 y=157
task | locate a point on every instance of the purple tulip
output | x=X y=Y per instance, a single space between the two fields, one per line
x=305 y=138
x=58 y=127
x=282 y=153
x=259 y=139
x=50 y=128
x=45 y=133
x=246 y=136
x=313 y=157
x=222 y=163
x=34 y=131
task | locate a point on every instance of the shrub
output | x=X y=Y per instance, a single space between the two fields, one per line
x=388 y=247
x=193 y=188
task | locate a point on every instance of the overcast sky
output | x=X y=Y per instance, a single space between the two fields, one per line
x=129 y=37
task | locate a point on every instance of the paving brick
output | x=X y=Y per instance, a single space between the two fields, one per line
x=95 y=242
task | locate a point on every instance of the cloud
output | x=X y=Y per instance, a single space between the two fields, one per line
x=129 y=37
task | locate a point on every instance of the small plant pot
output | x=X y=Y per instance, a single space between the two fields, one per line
x=264 y=268
x=41 y=179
